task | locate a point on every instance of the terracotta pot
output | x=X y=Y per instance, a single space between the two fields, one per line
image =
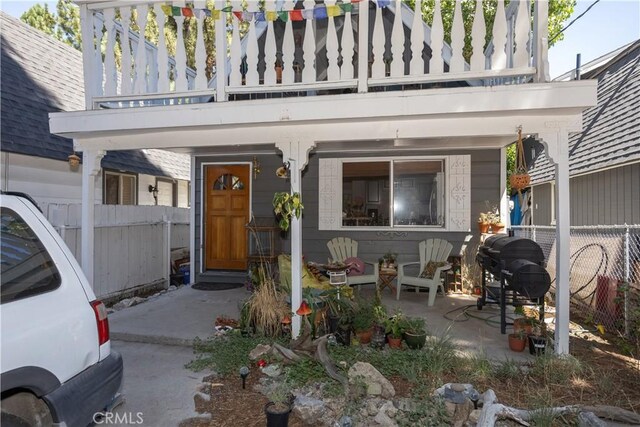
x=516 y=343
x=496 y=228
x=483 y=227
x=394 y=342
x=364 y=336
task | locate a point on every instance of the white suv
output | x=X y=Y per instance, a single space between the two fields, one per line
x=57 y=364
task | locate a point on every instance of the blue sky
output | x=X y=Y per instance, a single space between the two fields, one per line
x=607 y=26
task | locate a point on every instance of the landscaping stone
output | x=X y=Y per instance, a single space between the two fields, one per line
x=376 y=384
x=389 y=409
x=372 y=408
x=454 y=392
x=384 y=420
x=272 y=370
x=474 y=416
x=172 y=288
x=201 y=399
x=259 y=351
x=310 y=410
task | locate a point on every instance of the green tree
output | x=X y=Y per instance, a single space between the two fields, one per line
x=39 y=17
x=68 y=24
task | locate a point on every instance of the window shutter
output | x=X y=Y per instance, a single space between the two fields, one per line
x=329 y=195
x=459 y=194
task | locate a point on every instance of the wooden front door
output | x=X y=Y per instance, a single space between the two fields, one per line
x=227 y=212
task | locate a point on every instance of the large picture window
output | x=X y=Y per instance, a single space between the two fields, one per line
x=393 y=193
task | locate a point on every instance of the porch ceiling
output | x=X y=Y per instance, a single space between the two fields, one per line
x=438 y=118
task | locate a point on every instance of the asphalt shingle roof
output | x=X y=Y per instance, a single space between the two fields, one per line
x=39 y=75
x=611 y=129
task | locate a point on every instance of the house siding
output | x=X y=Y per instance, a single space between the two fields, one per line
x=541 y=204
x=608 y=197
x=485 y=186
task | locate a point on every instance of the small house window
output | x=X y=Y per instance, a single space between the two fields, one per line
x=119 y=188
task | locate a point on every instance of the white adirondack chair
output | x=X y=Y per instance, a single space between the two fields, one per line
x=342 y=248
x=437 y=250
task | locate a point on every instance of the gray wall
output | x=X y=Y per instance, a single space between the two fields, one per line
x=541 y=204
x=603 y=198
x=485 y=185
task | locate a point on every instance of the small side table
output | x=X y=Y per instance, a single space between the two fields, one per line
x=386 y=277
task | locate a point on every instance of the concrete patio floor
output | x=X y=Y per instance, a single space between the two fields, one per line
x=177 y=317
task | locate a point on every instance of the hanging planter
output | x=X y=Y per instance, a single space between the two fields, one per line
x=286 y=206
x=520 y=178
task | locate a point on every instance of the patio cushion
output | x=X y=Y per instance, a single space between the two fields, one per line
x=430 y=269
x=357 y=266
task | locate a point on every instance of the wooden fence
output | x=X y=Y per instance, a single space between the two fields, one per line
x=132 y=243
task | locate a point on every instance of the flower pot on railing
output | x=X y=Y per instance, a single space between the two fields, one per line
x=483 y=227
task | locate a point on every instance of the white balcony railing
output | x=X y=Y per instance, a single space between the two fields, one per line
x=292 y=47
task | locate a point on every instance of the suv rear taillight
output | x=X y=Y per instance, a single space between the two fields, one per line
x=102 y=321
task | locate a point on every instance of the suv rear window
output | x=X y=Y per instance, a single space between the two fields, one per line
x=26 y=267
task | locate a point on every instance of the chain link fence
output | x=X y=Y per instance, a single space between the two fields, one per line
x=604 y=273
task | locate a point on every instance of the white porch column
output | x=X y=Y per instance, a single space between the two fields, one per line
x=557 y=149
x=90 y=168
x=297 y=154
x=504 y=196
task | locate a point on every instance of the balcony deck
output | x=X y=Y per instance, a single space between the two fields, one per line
x=302 y=48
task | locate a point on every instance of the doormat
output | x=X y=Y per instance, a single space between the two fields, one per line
x=207 y=286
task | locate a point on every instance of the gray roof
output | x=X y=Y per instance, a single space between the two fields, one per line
x=39 y=75
x=611 y=129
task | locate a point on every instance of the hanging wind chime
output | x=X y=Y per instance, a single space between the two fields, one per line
x=520 y=177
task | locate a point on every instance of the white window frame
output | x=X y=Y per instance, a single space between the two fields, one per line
x=456 y=194
x=120 y=185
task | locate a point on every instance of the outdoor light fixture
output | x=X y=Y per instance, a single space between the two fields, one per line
x=283 y=171
x=244 y=372
x=154 y=190
x=256 y=167
x=74 y=161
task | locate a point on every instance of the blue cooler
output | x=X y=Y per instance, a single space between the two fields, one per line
x=185 y=270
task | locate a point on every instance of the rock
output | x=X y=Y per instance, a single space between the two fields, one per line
x=384 y=420
x=118 y=306
x=474 y=416
x=376 y=384
x=454 y=392
x=110 y=310
x=345 y=421
x=389 y=409
x=310 y=410
x=451 y=408
x=172 y=288
x=259 y=351
x=461 y=414
x=372 y=408
x=272 y=370
x=201 y=402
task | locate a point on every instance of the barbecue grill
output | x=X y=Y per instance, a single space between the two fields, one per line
x=518 y=264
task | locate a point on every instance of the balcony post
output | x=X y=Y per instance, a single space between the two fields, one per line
x=363 y=45
x=88 y=55
x=221 y=53
x=91 y=160
x=541 y=40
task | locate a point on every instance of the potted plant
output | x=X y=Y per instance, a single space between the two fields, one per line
x=394 y=327
x=496 y=223
x=415 y=334
x=363 y=322
x=380 y=315
x=517 y=341
x=538 y=340
x=279 y=406
x=286 y=206
x=525 y=324
x=389 y=259
x=483 y=222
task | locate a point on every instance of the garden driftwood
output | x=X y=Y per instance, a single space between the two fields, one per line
x=492 y=411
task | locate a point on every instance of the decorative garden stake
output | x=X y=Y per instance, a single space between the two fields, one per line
x=244 y=372
x=262 y=363
x=474 y=396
